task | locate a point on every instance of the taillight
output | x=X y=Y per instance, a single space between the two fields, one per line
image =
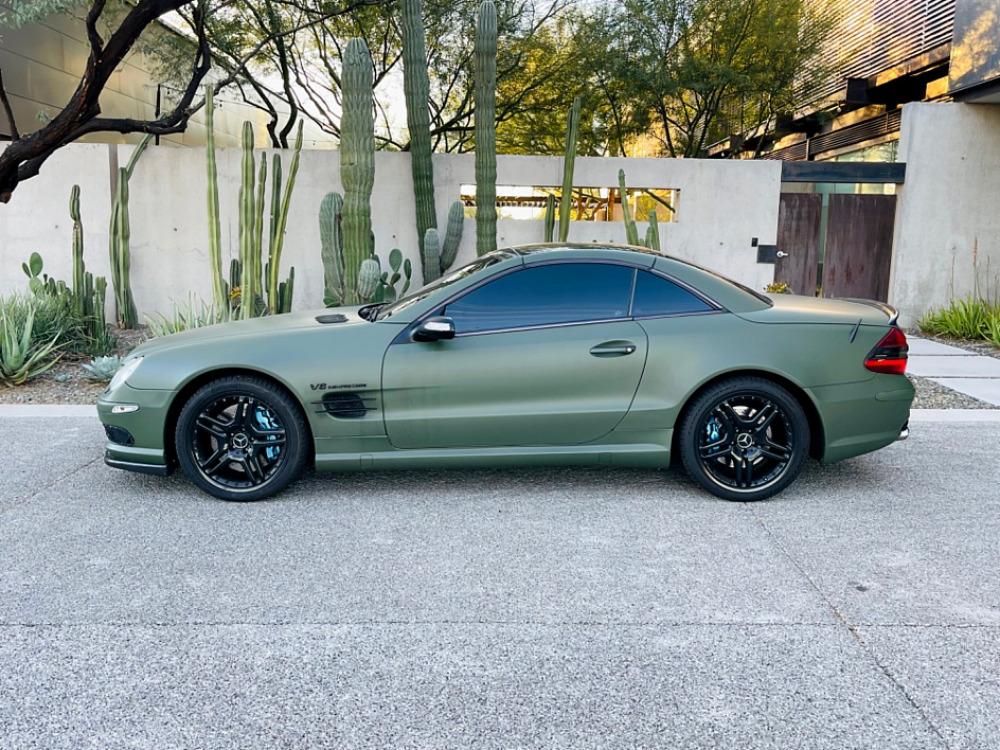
x=889 y=354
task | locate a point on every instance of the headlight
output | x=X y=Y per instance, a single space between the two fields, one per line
x=124 y=373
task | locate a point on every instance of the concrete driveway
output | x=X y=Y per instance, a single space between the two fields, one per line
x=537 y=608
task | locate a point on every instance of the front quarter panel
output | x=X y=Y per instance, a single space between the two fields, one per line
x=309 y=362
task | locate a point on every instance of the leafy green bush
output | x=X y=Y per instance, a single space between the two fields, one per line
x=969 y=318
x=25 y=351
x=194 y=313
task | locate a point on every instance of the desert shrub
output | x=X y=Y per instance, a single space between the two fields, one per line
x=967 y=318
x=31 y=337
x=193 y=313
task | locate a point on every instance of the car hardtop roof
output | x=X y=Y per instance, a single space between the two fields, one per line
x=570 y=246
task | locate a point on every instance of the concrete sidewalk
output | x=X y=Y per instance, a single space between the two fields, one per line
x=973 y=374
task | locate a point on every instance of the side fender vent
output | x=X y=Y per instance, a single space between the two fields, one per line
x=345 y=405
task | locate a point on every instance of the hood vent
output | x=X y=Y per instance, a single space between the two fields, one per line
x=331 y=318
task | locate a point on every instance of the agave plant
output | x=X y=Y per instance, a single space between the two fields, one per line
x=21 y=358
x=193 y=313
x=102 y=369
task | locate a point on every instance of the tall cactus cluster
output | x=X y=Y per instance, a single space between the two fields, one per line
x=119 y=244
x=352 y=273
x=485 y=132
x=569 y=164
x=88 y=295
x=276 y=296
x=652 y=239
x=259 y=285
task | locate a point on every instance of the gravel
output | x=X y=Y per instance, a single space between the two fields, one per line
x=931 y=395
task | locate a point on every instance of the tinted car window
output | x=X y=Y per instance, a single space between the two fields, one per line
x=655 y=295
x=544 y=295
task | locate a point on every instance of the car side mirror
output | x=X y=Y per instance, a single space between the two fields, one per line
x=435 y=329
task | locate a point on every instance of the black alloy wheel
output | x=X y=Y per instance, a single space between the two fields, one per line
x=744 y=439
x=241 y=438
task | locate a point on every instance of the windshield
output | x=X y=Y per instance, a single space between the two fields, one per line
x=452 y=277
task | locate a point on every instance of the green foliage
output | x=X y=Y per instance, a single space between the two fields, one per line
x=192 y=313
x=778 y=287
x=22 y=12
x=27 y=350
x=569 y=161
x=102 y=369
x=969 y=318
x=485 y=133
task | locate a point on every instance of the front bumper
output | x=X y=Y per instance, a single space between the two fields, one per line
x=136 y=438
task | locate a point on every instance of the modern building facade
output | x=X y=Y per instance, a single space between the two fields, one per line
x=884 y=54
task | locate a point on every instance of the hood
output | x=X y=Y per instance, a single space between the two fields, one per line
x=793 y=308
x=269 y=324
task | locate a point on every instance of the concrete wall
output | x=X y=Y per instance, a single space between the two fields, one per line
x=722 y=206
x=947 y=238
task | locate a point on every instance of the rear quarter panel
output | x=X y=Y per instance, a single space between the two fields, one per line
x=686 y=353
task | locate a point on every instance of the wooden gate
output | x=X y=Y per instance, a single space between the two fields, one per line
x=858 y=244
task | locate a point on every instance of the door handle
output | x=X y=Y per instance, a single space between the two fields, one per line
x=781 y=254
x=613 y=349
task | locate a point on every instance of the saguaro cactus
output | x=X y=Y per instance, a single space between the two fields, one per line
x=452 y=235
x=486 y=134
x=214 y=221
x=79 y=269
x=631 y=232
x=119 y=236
x=432 y=256
x=369 y=277
x=569 y=163
x=550 y=216
x=357 y=156
x=279 y=221
x=247 y=224
x=653 y=232
x=335 y=283
x=416 y=87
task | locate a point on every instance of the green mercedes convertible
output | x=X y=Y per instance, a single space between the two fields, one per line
x=546 y=354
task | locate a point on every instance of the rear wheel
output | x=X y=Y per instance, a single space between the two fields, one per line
x=241 y=438
x=744 y=439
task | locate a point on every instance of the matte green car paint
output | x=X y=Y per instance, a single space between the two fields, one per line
x=530 y=396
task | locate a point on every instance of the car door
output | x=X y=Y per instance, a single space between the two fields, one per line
x=543 y=355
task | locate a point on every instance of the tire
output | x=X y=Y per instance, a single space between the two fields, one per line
x=242 y=438
x=744 y=439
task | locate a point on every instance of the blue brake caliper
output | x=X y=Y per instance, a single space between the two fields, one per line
x=713 y=430
x=266 y=421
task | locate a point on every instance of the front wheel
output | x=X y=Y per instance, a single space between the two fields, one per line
x=241 y=438
x=744 y=439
